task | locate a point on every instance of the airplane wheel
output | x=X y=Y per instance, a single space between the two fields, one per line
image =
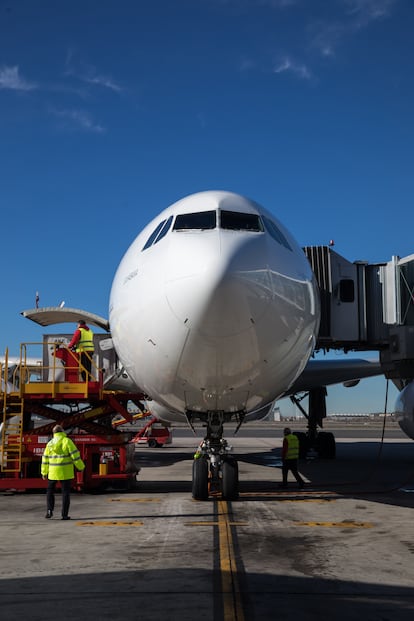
x=230 y=480
x=326 y=446
x=200 y=479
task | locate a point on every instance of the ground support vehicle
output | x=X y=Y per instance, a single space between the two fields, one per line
x=31 y=407
x=154 y=434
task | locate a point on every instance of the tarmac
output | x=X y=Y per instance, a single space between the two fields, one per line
x=340 y=549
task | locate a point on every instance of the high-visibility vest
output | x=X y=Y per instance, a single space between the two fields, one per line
x=59 y=457
x=85 y=342
x=293 y=446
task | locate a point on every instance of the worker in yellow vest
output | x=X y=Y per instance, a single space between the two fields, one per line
x=58 y=461
x=82 y=343
x=290 y=456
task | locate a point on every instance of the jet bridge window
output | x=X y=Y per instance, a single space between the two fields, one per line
x=160 y=231
x=200 y=220
x=275 y=232
x=236 y=221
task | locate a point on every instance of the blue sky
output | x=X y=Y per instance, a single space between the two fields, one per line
x=110 y=111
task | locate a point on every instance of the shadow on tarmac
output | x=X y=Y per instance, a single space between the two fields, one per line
x=379 y=473
x=383 y=474
x=187 y=594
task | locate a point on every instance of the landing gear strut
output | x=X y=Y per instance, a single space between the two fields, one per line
x=214 y=470
x=323 y=442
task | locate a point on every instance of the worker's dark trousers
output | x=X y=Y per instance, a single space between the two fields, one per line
x=85 y=360
x=50 y=496
x=292 y=465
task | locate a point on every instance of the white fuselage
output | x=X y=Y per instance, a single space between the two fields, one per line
x=219 y=318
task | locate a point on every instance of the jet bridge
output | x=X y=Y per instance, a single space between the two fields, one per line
x=364 y=307
x=367 y=307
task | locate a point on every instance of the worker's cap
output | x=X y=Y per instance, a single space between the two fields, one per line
x=287 y=431
x=57 y=428
x=81 y=322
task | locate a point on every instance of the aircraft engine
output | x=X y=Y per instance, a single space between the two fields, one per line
x=404 y=410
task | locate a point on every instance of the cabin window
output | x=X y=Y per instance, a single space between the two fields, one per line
x=201 y=220
x=236 y=221
x=275 y=232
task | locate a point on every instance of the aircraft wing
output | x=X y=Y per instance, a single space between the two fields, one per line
x=326 y=372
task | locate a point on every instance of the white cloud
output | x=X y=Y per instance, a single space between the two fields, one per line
x=103 y=81
x=369 y=10
x=81 y=119
x=88 y=74
x=326 y=37
x=288 y=65
x=357 y=15
x=11 y=80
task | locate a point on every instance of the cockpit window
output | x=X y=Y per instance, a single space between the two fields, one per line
x=236 y=221
x=153 y=235
x=276 y=233
x=164 y=230
x=160 y=231
x=200 y=220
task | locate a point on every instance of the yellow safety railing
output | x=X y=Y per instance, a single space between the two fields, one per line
x=31 y=378
x=11 y=421
x=62 y=375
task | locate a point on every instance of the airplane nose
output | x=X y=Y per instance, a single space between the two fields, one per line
x=221 y=292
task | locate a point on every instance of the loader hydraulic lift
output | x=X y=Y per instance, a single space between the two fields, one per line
x=34 y=400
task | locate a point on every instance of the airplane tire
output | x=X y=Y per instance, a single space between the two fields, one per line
x=230 y=480
x=326 y=446
x=200 y=479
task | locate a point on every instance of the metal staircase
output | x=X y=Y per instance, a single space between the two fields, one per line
x=11 y=424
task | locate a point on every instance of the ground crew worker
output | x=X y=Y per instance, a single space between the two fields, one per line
x=82 y=343
x=290 y=456
x=58 y=459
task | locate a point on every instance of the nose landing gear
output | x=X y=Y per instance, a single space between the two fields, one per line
x=214 y=470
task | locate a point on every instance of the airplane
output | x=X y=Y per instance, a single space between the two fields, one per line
x=214 y=314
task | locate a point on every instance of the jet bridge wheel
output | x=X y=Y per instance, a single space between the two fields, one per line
x=200 y=479
x=230 y=479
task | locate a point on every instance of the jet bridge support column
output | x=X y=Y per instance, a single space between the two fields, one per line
x=321 y=441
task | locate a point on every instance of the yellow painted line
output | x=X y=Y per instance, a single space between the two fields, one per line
x=215 y=523
x=233 y=610
x=134 y=500
x=110 y=523
x=344 y=524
